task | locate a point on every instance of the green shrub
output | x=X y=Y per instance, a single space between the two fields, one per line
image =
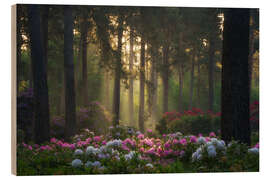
x=195 y=124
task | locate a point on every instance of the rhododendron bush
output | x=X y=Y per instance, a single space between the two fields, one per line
x=123 y=150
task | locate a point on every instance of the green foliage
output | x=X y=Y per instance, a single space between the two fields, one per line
x=195 y=124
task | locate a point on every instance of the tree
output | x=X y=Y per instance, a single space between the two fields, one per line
x=70 y=106
x=142 y=83
x=44 y=25
x=84 y=30
x=130 y=92
x=41 y=99
x=116 y=90
x=235 y=76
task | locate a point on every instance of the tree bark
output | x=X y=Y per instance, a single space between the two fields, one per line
x=130 y=92
x=181 y=81
x=191 y=81
x=235 y=76
x=116 y=92
x=70 y=105
x=165 y=78
x=41 y=99
x=44 y=25
x=84 y=61
x=199 y=85
x=211 y=74
x=142 y=82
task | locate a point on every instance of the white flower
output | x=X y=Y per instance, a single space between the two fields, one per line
x=92 y=164
x=76 y=163
x=114 y=143
x=196 y=156
x=201 y=140
x=117 y=158
x=253 y=150
x=96 y=164
x=78 y=152
x=214 y=140
x=91 y=150
x=130 y=155
x=220 y=145
x=211 y=151
x=149 y=165
x=101 y=156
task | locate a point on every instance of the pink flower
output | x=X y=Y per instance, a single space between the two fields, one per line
x=30 y=147
x=151 y=151
x=257 y=145
x=167 y=145
x=200 y=135
x=140 y=136
x=207 y=139
x=149 y=130
x=104 y=142
x=193 y=139
x=53 y=140
x=212 y=134
x=175 y=141
x=97 y=138
x=183 y=141
x=124 y=147
x=142 y=149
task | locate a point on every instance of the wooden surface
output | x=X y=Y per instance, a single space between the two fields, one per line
x=13 y=89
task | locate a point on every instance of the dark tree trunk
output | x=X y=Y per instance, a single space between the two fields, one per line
x=191 y=81
x=130 y=92
x=142 y=82
x=165 y=78
x=181 y=82
x=41 y=99
x=70 y=105
x=211 y=74
x=78 y=71
x=153 y=93
x=199 y=85
x=84 y=61
x=116 y=91
x=44 y=25
x=235 y=77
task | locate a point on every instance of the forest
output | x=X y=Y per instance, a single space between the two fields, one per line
x=117 y=89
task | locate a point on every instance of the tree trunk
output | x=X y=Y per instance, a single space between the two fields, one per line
x=84 y=61
x=191 y=81
x=142 y=82
x=41 y=99
x=154 y=81
x=211 y=74
x=180 y=80
x=235 y=76
x=165 y=78
x=199 y=85
x=70 y=105
x=116 y=91
x=44 y=25
x=130 y=92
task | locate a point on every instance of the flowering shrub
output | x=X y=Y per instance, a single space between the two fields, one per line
x=89 y=153
x=94 y=117
x=189 y=122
